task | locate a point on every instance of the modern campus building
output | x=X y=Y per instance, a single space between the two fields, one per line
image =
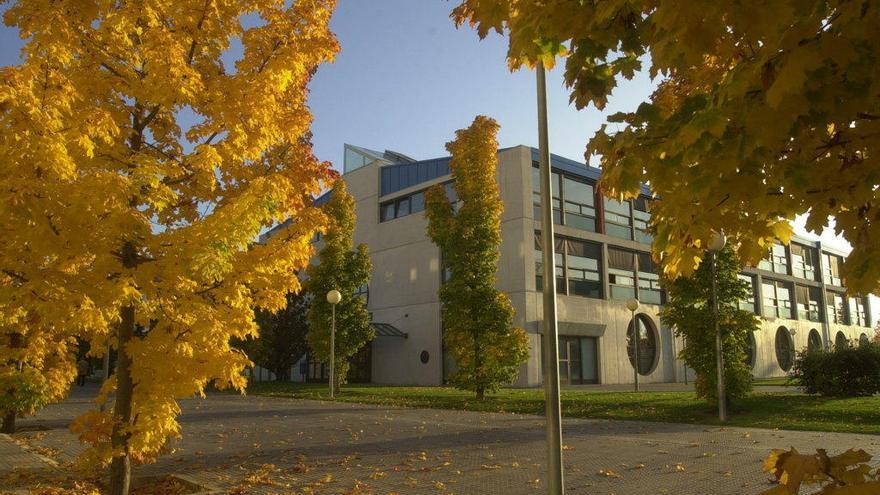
x=602 y=259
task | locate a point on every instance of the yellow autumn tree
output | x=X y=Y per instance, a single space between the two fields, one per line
x=765 y=110
x=125 y=218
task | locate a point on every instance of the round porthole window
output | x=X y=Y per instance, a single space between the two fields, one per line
x=647 y=341
x=840 y=340
x=784 y=349
x=863 y=339
x=424 y=357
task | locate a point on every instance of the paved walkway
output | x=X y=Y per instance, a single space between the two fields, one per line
x=273 y=445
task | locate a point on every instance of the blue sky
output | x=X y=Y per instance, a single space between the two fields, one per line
x=406 y=79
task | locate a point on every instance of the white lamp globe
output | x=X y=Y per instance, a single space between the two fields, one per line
x=333 y=297
x=717 y=242
x=632 y=304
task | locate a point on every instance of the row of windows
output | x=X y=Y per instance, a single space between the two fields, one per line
x=413 y=203
x=784 y=346
x=805 y=263
x=578 y=268
x=574 y=205
x=779 y=302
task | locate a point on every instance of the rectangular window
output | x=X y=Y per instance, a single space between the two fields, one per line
x=836 y=307
x=804 y=261
x=642 y=219
x=386 y=211
x=831 y=269
x=555 y=189
x=402 y=207
x=618 y=218
x=649 y=280
x=580 y=204
x=776 y=260
x=857 y=315
x=583 y=261
x=748 y=304
x=622 y=273
x=808 y=303
x=777 y=299
x=417 y=202
x=559 y=264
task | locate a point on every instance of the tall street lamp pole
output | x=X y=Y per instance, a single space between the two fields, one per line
x=632 y=305
x=716 y=244
x=333 y=297
x=555 y=482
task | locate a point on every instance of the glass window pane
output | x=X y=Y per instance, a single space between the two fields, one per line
x=386 y=212
x=578 y=192
x=403 y=207
x=417 y=202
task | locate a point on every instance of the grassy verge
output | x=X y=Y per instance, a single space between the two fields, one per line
x=761 y=410
x=778 y=382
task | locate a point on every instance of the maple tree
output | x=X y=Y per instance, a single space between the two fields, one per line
x=849 y=473
x=755 y=120
x=688 y=310
x=477 y=317
x=344 y=267
x=121 y=219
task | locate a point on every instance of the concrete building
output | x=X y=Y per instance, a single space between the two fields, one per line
x=603 y=258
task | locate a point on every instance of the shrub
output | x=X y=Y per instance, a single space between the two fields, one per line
x=845 y=371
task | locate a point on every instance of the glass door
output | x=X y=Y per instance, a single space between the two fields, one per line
x=578 y=360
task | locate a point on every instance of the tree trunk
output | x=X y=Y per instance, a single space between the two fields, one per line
x=8 y=422
x=120 y=467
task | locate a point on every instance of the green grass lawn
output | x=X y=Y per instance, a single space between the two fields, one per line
x=779 y=382
x=787 y=411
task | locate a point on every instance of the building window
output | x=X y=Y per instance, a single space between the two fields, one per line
x=560 y=264
x=863 y=339
x=578 y=271
x=831 y=269
x=748 y=304
x=618 y=218
x=401 y=207
x=647 y=341
x=808 y=303
x=804 y=261
x=622 y=273
x=814 y=341
x=649 y=280
x=776 y=260
x=836 y=307
x=555 y=189
x=580 y=204
x=784 y=349
x=582 y=261
x=840 y=340
x=777 y=299
x=857 y=315
x=642 y=219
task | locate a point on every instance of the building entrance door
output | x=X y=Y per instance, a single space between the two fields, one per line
x=578 y=360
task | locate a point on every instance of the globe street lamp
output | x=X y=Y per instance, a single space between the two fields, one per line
x=716 y=244
x=333 y=297
x=632 y=304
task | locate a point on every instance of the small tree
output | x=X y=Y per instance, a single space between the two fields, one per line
x=282 y=339
x=477 y=317
x=341 y=267
x=689 y=311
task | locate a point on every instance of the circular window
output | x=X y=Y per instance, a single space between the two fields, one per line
x=863 y=339
x=647 y=342
x=784 y=349
x=424 y=357
x=814 y=341
x=840 y=340
x=750 y=350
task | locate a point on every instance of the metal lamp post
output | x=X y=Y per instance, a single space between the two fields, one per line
x=716 y=244
x=333 y=297
x=552 y=409
x=632 y=304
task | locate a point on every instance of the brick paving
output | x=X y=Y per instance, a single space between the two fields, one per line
x=273 y=445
